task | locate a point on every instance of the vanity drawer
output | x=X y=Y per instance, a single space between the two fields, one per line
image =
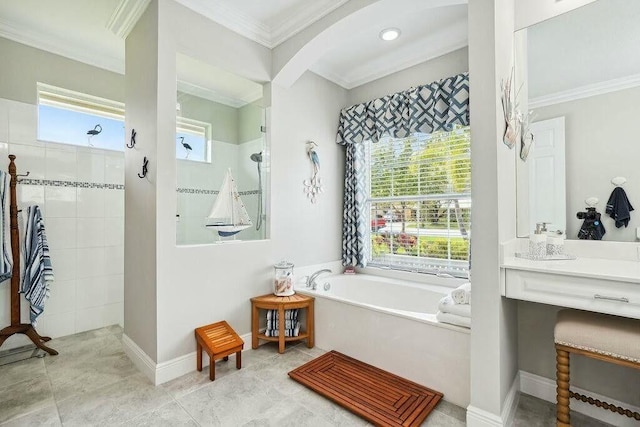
x=603 y=296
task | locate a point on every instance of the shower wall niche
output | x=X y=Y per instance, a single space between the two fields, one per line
x=220 y=126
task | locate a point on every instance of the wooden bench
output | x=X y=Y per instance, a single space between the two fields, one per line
x=219 y=340
x=598 y=336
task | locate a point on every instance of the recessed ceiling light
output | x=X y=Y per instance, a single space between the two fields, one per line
x=389 y=34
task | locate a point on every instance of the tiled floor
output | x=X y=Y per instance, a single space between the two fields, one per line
x=92 y=382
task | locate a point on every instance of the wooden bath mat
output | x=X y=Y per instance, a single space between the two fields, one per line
x=378 y=396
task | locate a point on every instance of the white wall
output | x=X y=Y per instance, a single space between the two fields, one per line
x=599 y=146
x=216 y=281
x=444 y=66
x=529 y=12
x=493 y=335
x=83 y=218
x=203 y=284
x=142 y=100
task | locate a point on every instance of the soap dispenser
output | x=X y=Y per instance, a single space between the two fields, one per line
x=538 y=242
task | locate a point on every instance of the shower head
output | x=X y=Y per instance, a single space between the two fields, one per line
x=257 y=157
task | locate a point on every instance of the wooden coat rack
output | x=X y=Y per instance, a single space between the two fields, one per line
x=16 y=327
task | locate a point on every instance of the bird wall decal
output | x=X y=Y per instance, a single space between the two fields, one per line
x=186 y=146
x=93 y=132
x=313 y=186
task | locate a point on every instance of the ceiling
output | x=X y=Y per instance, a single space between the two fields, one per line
x=93 y=32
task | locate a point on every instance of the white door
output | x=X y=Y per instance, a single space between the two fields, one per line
x=547 y=201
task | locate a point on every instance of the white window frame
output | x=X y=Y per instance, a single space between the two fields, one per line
x=411 y=263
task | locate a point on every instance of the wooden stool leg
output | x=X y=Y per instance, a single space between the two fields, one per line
x=254 y=326
x=310 y=325
x=199 y=357
x=212 y=368
x=562 y=389
x=239 y=360
x=281 y=322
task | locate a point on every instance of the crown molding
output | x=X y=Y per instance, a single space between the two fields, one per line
x=231 y=18
x=299 y=19
x=586 y=91
x=220 y=98
x=394 y=65
x=267 y=35
x=59 y=46
x=125 y=16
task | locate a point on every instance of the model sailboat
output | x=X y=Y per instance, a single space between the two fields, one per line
x=228 y=215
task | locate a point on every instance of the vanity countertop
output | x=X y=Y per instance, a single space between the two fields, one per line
x=594 y=268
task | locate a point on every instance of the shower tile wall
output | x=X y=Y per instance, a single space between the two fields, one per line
x=84 y=221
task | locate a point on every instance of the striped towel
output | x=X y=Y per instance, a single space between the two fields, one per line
x=37 y=264
x=6 y=258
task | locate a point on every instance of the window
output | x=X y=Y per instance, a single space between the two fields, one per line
x=192 y=140
x=420 y=202
x=69 y=117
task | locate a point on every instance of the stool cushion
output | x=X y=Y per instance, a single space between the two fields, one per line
x=599 y=333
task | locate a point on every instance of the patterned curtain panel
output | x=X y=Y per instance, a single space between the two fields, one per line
x=354 y=243
x=424 y=109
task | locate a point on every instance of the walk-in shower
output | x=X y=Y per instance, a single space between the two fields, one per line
x=257 y=157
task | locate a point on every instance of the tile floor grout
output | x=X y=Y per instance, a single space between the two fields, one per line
x=108 y=389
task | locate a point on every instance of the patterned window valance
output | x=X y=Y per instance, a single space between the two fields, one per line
x=423 y=109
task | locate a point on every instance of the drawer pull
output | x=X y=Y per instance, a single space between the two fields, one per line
x=621 y=299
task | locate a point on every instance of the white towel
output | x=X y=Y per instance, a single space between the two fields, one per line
x=453 y=319
x=462 y=294
x=447 y=305
x=6 y=257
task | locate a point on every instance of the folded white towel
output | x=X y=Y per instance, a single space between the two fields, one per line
x=462 y=294
x=447 y=305
x=453 y=319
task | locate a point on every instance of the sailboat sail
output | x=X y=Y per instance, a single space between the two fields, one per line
x=228 y=215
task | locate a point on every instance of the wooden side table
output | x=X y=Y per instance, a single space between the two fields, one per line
x=272 y=302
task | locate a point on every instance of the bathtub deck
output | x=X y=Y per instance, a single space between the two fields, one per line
x=378 y=396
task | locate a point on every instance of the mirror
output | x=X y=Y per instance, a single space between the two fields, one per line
x=581 y=74
x=221 y=156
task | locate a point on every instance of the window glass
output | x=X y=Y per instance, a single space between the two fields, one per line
x=57 y=124
x=420 y=202
x=69 y=117
x=192 y=140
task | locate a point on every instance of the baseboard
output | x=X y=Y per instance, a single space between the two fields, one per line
x=159 y=373
x=510 y=404
x=545 y=389
x=139 y=358
x=182 y=365
x=477 y=417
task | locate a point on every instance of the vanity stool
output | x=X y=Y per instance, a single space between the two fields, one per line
x=599 y=336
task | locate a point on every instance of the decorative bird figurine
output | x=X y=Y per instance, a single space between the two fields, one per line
x=93 y=132
x=186 y=146
x=313 y=156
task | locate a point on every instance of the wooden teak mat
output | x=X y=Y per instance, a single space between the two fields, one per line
x=378 y=396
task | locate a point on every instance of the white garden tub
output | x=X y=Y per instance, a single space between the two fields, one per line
x=391 y=324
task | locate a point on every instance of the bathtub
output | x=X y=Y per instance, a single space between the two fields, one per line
x=391 y=324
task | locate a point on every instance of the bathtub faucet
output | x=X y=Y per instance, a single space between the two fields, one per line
x=311 y=282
